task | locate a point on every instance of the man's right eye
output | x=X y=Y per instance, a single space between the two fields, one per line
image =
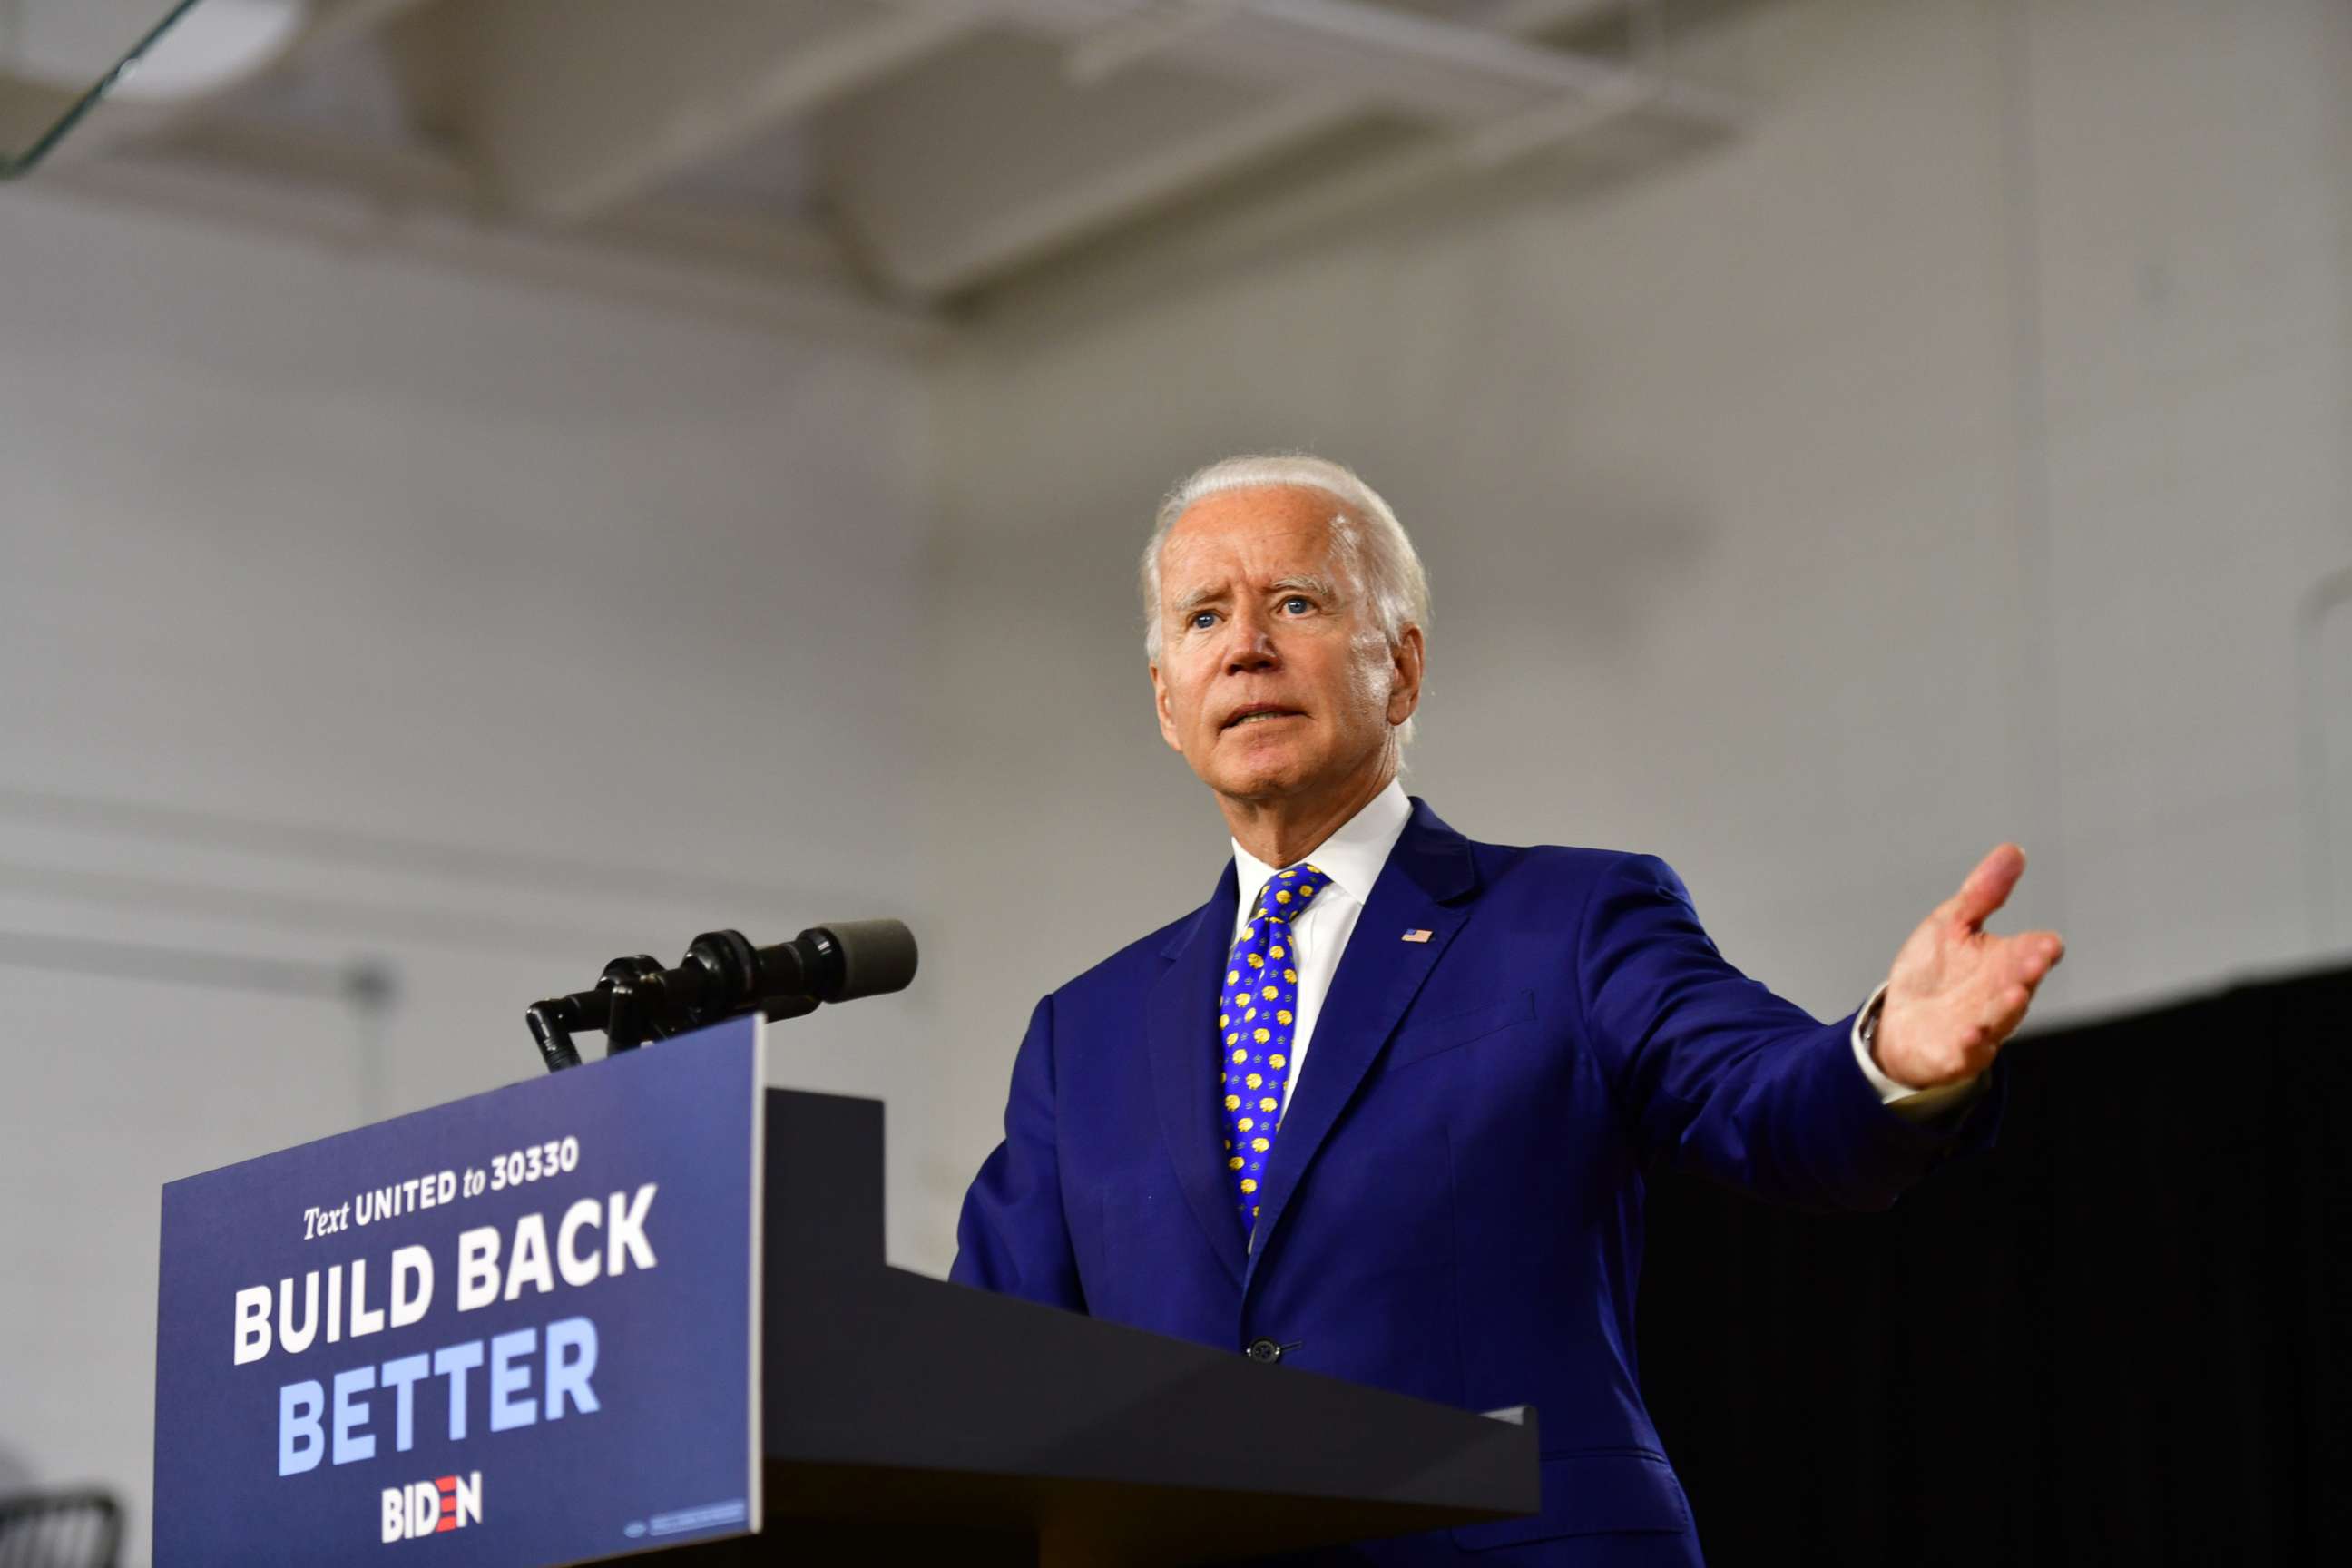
x=1202 y=620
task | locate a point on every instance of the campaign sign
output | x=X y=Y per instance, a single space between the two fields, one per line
x=518 y=1330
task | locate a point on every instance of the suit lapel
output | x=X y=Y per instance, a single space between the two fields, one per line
x=1379 y=974
x=1182 y=1018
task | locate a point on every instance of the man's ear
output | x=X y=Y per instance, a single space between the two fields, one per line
x=1160 y=708
x=1406 y=657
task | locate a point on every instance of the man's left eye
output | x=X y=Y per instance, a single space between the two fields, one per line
x=1298 y=604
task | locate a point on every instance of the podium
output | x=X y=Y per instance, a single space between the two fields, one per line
x=904 y=1413
x=643 y=1308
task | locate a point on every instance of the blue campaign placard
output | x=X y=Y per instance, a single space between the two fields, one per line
x=520 y=1329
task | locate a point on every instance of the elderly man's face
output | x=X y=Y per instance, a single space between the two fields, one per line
x=1274 y=678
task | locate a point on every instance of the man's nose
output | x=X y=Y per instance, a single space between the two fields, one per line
x=1251 y=645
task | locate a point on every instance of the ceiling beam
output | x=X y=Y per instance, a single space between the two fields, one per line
x=962 y=170
x=572 y=107
x=125 y=122
x=1427 y=67
x=376 y=202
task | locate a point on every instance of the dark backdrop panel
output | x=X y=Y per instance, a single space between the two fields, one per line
x=2119 y=1336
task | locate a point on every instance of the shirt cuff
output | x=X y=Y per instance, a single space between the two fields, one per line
x=1911 y=1104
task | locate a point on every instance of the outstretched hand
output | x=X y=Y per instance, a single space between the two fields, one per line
x=1957 y=991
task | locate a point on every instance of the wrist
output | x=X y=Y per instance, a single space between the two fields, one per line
x=1871 y=1029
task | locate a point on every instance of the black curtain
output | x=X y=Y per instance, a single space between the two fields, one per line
x=2118 y=1336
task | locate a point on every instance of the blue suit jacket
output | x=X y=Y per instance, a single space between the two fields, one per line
x=1453 y=1209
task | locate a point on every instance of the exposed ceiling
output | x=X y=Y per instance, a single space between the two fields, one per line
x=897 y=158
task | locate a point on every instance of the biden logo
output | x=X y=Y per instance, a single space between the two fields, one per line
x=429 y=1508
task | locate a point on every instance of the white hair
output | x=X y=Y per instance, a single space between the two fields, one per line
x=1365 y=533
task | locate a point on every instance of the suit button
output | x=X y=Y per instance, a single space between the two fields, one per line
x=1263 y=1350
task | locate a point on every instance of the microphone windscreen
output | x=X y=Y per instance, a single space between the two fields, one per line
x=877 y=956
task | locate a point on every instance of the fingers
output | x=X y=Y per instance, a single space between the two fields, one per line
x=2012 y=1013
x=2031 y=956
x=2036 y=953
x=1987 y=886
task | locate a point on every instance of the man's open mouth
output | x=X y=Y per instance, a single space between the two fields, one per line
x=1258 y=712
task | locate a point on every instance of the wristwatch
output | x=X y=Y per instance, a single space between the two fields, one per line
x=1867 y=1027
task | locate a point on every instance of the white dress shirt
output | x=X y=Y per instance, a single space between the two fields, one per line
x=1350 y=861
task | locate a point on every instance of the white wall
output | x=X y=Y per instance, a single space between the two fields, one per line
x=1941 y=460
x=351 y=611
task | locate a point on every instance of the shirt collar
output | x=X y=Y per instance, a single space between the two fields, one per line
x=1350 y=859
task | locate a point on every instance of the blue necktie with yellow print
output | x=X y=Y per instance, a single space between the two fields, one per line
x=1255 y=1014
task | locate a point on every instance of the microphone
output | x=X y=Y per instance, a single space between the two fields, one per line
x=839 y=963
x=721 y=975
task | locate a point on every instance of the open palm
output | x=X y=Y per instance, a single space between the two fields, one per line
x=1957 y=991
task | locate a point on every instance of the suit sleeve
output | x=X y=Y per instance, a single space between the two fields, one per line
x=1013 y=1237
x=1722 y=1076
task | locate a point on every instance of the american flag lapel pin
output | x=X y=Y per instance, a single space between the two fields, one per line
x=1416 y=935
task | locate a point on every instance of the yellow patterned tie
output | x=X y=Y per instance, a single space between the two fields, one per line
x=1256 y=1013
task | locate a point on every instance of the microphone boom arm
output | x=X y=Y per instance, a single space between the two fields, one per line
x=721 y=976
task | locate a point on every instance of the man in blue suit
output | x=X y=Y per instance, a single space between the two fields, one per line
x=1447 y=1202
